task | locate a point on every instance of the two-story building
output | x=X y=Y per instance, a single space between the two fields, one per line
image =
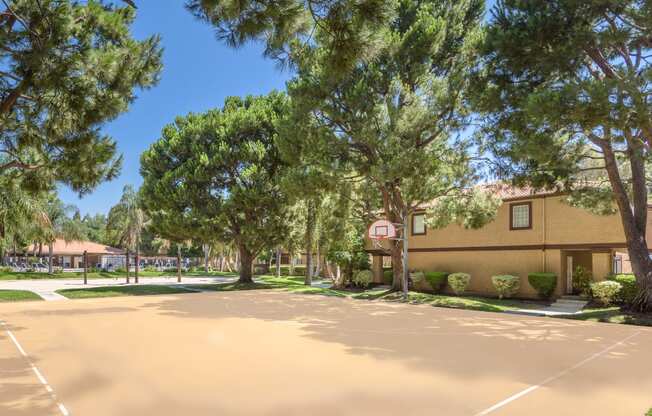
x=532 y=232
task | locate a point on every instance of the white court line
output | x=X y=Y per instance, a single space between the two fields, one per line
x=555 y=377
x=39 y=375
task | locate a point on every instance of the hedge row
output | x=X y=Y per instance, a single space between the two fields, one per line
x=505 y=285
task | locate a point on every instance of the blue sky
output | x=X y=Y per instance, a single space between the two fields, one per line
x=199 y=72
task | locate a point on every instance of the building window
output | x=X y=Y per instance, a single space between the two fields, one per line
x=418 y=224
x=520 y=216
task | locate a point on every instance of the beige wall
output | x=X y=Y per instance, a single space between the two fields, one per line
x=602 y=265
x=553 y=222
x=481 y=265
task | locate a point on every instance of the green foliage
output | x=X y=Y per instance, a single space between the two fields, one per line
x=582 y=279
x=506 y=285
x=126 y=221
x=543 y=283
x=606 y=292
x=217 y=175
x=68 y=67
x=417 y=277
x=347 y=29
x=298 y=271
x=437 y=280
x=388 y=277
x=459 y=282
x=363 y=278
x=629 y=287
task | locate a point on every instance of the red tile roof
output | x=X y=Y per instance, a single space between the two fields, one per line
x=61 y=247
x=508 y=192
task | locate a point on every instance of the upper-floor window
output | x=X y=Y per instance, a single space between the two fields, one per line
x=418 y=224
x=520 y=216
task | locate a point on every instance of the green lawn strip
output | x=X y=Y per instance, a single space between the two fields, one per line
x=229 y=287
x=263 y=282
x=112 y=291
x=613 y=315
x=468 y=302
x=18 y=295
x=103 y=275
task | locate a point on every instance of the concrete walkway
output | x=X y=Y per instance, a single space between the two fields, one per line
x=563 y=306
x=46 y=288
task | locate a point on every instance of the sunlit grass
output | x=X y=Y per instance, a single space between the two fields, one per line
x=18 y=295
x=113 y=291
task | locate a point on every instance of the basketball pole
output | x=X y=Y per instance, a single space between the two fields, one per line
x=404 y=282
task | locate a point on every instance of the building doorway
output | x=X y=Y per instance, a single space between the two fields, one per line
x=572 y=260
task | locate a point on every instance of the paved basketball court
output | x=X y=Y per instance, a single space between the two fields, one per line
x=271 y=353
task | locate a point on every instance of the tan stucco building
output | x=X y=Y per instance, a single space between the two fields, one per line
x=532 y=232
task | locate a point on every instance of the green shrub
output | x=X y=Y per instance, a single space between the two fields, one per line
x=149 y=269
x=629 y=287
x=436 y=280
x=388 y=277
x=299 y=271
x=120 y=270
x=170 y=270
x=582 y=279
x=5 y=270
x=363 y=278
x=543 y=283
x=459 y=282
x=506 y=285
x=417 y=277
x=605 y=292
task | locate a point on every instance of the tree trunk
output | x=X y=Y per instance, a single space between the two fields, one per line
x=50 y=249
x=127 y=264
x=309 y=238
x=293 y=261
x=278 y=262
x=318 y=262
x=634 y=220
x=207 y=253
x=338 y=281
x=40 y=250
x=137 y=264
x=179 y=263
x=246 y=265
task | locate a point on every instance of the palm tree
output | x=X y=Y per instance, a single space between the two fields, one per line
x=21 y=213
x=59 y=225
x=125 y=224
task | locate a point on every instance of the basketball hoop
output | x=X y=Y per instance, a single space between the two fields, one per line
x=382 y=230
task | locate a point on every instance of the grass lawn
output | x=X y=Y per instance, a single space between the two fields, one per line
x=112 y=291
x=17 y=295
x=100 y=275
x=614 y=315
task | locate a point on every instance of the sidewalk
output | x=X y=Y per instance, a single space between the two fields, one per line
x=46 y=288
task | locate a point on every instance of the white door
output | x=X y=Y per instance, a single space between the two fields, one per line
x=569 y=275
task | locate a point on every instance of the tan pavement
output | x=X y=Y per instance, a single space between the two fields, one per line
x=274 y=353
